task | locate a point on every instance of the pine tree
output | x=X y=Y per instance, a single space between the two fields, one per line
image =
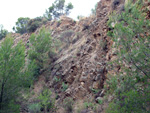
x=131 y=38
x=13 y=74
x=21 y=25
x=40 y=46
x=3 y=32
x=58 y=9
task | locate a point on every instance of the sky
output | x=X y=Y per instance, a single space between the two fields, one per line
x=11 y=10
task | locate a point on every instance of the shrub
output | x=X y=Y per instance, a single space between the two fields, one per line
x=46 y=102
x=35 y=23
x=95 y=91
x=66 y=36
x=64 y=86
x=56 y=79
x=131 y=38
x=100 y=101
x=27 y=25
x=40 y=46
x=68 y=105
x=3 y=32
x=21 y=25
x=90 y=105
x=34 y=108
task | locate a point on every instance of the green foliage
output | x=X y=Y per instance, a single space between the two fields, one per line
x=40 y=46
x=68 y=8
x=46 y=102
x=68 y=105
x=24 y=25
x=29 y=74
x=34 y=108
x=21 y=25
x=64 y=86
x=112 y=82
x=57 y=79
x=3 y=32
x=131 y=38
x=13 y=77
x=33 y=24
x=90 y=105
x=58 y=9
x=12 y=60
x=130 y=101
x=100 y=101
x=95 y=91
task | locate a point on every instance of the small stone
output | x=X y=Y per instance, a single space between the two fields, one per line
x=68 y=91
x=102 y=93
x=82 y=83
x=96 y=85
x=97 y=77
x=113 y=24
x=110 y=98
x=99 y=98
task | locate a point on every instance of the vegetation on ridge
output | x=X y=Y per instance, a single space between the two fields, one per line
x=58 y=9
x=27 y=25
x=3 y=32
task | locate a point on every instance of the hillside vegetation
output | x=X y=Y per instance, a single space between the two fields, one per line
x=99 y=64
x=131 y=39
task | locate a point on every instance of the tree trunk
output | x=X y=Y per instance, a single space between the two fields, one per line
x=1 y=95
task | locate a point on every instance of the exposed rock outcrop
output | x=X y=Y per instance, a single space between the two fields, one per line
x=82 y=63
x=86 y=49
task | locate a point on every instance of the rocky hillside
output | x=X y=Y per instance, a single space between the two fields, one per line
x=81 y=64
